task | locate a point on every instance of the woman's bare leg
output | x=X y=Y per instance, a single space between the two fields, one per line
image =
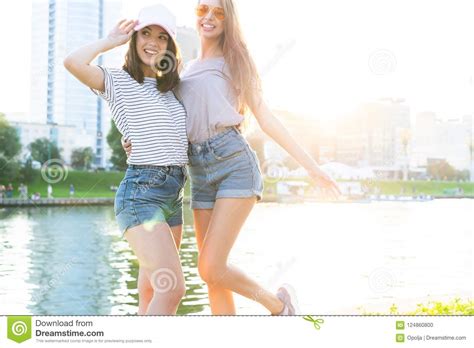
x=159 y=261
x=227 y=219
x=220 y=299
x=145 y=290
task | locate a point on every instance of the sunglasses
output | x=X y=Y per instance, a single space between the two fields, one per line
x=203 y=10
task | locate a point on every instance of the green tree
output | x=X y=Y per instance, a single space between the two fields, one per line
x=9 y=169
x=27 y=173
x=10 y=147
x=119 y=157
x=43 y=150
x=9 y=140
x=441 y=170
x=82 y=158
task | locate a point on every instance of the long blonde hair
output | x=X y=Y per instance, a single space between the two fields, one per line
x=244 y=74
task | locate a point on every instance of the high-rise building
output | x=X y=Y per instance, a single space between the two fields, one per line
x=57 y=98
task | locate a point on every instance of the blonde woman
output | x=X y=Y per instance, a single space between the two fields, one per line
x=216 y=90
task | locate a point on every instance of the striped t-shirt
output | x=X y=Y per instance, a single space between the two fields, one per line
x=154 y=122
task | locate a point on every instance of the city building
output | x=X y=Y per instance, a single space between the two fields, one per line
x=448 y=140
x=374 y=135
x=68 y=138
x=57 y=98
x=304 y=128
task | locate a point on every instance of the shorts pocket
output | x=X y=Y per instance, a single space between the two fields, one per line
x=256 y=161
x=178 y=179
x=119 y=203
x=151 y=178
x=228 y=149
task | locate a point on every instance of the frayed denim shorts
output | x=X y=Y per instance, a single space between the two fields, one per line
x=224 y=166
x=149 y=195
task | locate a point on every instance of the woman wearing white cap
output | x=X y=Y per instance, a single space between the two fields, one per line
x=217 y=89
x=148 y=203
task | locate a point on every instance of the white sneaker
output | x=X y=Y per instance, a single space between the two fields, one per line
x=287 y=295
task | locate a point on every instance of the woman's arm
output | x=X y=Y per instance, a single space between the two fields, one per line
x=78 y=62
x=278 y=132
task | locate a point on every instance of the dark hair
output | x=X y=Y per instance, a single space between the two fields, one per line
x=167 y=77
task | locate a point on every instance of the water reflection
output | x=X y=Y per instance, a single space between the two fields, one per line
x=60 y=261
x=63 y=261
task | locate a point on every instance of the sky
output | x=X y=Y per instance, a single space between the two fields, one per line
x=321 y=58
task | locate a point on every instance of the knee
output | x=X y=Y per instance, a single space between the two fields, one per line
x=168 y=284
x=211 y=272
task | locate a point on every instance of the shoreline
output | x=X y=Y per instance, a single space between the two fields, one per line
x=108 y=201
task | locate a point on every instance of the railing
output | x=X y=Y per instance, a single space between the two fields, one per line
x=11 y=202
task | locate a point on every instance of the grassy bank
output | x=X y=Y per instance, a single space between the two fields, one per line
x=408 y=188
x=86 y=185
x=426 y=187
x=94 y=185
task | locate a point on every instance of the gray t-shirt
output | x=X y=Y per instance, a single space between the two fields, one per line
x=209 y=98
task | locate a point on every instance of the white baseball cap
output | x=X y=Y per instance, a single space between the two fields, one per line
x=157 y=15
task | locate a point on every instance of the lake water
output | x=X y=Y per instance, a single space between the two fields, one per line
x=341 y=258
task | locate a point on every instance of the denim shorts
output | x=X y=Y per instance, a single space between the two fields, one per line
x=149 y=195
x=224 y=166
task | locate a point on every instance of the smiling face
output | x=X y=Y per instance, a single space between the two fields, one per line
x=209 y=27
x=151 y=41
